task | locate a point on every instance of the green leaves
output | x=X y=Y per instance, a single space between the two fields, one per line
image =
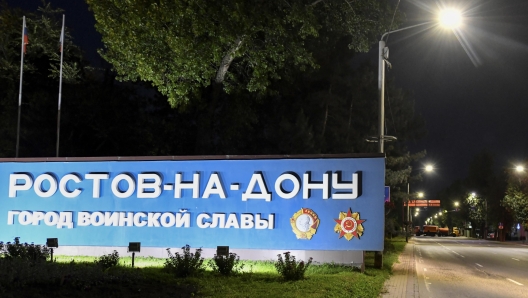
x=183 y=46
x=516 y=197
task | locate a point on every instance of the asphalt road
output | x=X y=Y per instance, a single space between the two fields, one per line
x=464 y=267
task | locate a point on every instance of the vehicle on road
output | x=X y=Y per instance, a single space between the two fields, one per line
x=456 y=232
x=443 y=232
x=417 y=231
x=430 y=230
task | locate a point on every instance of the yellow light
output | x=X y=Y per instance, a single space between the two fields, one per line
x=519 y=168
x=429 y=168
x=420 y=194
x=450 y=18
x=456 y=204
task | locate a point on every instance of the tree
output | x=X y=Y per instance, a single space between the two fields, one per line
x=488 y=188
x=182 y=46
x=516 y=197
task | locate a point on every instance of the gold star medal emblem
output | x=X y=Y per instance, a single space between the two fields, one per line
x=304 y=223
x=349 y=225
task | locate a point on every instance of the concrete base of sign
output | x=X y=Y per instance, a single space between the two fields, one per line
x=351 y=257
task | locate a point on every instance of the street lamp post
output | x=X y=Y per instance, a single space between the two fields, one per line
x=449 y=18
x=381 y=138
x=383 y=56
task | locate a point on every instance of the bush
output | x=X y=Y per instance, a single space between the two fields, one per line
x=108 y=261
x=184 y=265
x=226 y=265
x=289 y=269
x=28 y=252
x=18 y=273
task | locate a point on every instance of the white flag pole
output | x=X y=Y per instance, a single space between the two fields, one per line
x=60 y=83
x=22 y=53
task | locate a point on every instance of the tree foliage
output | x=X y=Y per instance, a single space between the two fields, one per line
x=516 y=197
x=182 y=46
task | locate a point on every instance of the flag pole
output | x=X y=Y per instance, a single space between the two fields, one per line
x=60 y=83
x=22 y=53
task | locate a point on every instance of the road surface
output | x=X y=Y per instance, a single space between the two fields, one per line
x=464 y=267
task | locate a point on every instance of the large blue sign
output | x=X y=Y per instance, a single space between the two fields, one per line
x=309 y=204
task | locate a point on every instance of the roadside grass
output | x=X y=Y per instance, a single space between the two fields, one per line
x=75 y=277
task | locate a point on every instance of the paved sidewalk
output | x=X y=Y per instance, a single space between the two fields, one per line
x=404 y=282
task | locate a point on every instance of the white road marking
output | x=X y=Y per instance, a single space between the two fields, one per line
x=515 y=282
x=479 y=265
x=450 y=249
x=515 y=259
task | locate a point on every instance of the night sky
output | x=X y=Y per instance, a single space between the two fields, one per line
x=471 y=90
x=472 y=94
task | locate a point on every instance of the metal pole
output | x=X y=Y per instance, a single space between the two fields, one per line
x=381 y=94
x=20 y=87
x=378 y=257
x=407 y=229
x=60 y=85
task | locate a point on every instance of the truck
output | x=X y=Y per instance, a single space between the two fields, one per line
x=443 y=232
x=456 y=232
x=430 y=230
x=417 y=231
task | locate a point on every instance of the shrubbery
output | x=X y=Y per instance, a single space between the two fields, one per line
x=108 y=261
x=24 y=251
x=289 y=268
x=186 y=264
x=25 y=264
x=226 y=265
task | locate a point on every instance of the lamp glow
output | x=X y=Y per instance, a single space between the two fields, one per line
x=519 y=168
x=450 y=18
x=429 y=168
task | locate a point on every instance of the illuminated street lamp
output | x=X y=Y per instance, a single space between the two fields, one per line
x=519 y=169
x=449 y=18
x=383 y=56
